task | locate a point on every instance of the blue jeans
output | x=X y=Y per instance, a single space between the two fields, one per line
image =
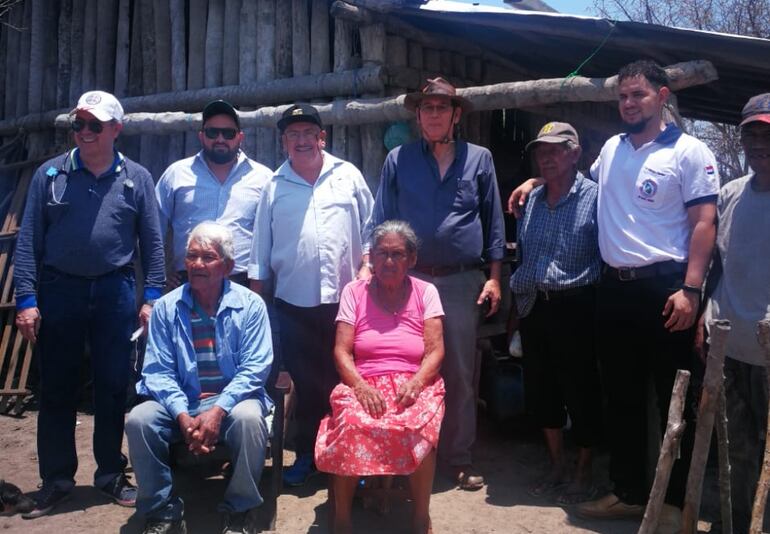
x=150 y=430
x=73 y=309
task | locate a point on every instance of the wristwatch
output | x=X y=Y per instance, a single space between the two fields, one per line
x=691 y=289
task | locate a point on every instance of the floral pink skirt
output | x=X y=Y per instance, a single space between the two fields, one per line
x=352 y=443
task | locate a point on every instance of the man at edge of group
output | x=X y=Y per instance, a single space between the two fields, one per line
x=742 y=296
x=446 y=189
x=308 y=241
x=75 y=280
x=219 y=183
x=656 y=209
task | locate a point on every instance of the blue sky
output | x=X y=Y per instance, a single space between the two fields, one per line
x=573 y=7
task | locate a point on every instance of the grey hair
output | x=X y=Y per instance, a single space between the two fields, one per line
x=212 y=234
x=400 y=228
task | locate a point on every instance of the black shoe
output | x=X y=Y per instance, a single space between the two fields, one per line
x=121 y=491
x=153 y=526
x=46 y=500
x=236 y=523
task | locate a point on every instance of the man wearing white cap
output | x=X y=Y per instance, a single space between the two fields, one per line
x=74 y=276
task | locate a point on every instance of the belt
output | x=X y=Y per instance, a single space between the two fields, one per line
x=126 y=269
x=628 y=274
x=558 y=294
x=446 y=270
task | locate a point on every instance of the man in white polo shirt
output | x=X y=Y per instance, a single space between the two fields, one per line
x=656 y=211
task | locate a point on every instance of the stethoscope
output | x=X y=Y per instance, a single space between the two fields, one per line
x=54 y=173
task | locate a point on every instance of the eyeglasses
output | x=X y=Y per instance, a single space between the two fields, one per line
x=94 y=126
x=228 y=133
x=396 y=256
x=439 y=109
x=295 y=135
x=205 y=258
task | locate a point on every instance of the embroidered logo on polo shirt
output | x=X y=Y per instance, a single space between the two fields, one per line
x=709 y=169
x=647 y=190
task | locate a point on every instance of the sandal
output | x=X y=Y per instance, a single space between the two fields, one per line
x=577 y=496
x=468 y=479
x=547 y=487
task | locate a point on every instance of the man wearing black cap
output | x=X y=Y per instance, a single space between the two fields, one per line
x=220 y=183
x=307 y=239
x=741 y=271
x=447 y=190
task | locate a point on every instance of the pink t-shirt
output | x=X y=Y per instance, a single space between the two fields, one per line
x=387 y=342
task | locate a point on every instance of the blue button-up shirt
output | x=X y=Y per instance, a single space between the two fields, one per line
x=86 y=225
x=309 y=237
x=244 y=351
x=458 y=219
x=558 y=248
x=188 y=193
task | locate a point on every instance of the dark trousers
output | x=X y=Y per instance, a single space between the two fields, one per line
x=307 y=345
x=73 y=309
x=634 y=347
x=746 y=392
x=560 y=368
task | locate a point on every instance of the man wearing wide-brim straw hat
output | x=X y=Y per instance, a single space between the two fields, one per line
x=446 y=189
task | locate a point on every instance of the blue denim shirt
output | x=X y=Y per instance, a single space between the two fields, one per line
x=243 y=346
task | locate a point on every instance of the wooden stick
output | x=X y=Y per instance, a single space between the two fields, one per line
x=760 y=499
x=371 y=110
x=725 y=499
x=674 y=430
x=712 y=383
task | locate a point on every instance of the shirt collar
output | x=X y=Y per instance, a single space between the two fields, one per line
x=229 y=299
x=460 y=147
x=239 y=160
x=76 y=163
x=668 y=136
x=575 y=188
x=330 y=162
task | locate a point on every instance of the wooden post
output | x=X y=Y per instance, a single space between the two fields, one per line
x=265 y=146
x=300 y=38
x=89 y=46
x=723 y=442
x=104 y=56
x=122 y=49
x=760 y=498
x=668 y=451
x=343 y=51
x=13 y=51
x=215 y=27
x=4 y=29
x=712 y=383
x=283 y=57
x=76 y=52
x=22 y=87
x=37 y=57
x=176 y=149
x=247 y=72
x=196 y=68
x=319 y=37
x=230 y=39
x=372 y=135
x=63 y=64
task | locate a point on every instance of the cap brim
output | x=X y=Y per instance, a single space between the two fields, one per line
x=286 y=121
x=98 y=114
x=412 y=100
x=545 y=139
x=762 y=117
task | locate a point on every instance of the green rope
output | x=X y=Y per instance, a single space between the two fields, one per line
x=576 y=72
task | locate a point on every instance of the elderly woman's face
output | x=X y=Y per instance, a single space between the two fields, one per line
x=206 y=268
x=392 y=260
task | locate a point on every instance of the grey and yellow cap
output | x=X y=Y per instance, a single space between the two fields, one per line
x=555 y=132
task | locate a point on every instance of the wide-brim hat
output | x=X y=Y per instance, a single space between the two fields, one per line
x=437 y=87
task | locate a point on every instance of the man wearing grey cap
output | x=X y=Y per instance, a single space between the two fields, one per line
x=308 y=240
x=559 y=266
x=741 y=272
x=220 y=183
x=74 y=276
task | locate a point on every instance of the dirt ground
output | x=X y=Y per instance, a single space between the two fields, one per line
x=510 y=455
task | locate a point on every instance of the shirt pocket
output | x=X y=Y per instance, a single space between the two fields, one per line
x=467 y=194
x=654 y=189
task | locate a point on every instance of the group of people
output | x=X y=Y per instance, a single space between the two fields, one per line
x=380 y=340
x=617 y=264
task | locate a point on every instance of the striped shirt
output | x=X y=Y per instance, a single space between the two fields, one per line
x=209 y=374
x=557 y=248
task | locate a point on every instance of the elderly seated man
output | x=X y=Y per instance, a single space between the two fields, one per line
x=208 y=357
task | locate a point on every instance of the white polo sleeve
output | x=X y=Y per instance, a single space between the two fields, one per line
x=699 y=174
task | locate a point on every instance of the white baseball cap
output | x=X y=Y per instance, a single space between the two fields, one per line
x=101 y=105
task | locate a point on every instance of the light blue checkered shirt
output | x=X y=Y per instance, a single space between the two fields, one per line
x=557 y=248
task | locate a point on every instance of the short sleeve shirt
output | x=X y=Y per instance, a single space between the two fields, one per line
x=388 y=342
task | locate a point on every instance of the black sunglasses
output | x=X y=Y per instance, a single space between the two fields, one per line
x=95 y=126
x=227 y=133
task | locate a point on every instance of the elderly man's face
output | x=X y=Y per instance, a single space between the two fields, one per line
x=93 y=144
x=303 y=141
x=206 y=268
x=755 y=138
x=437 y=118
x=556 y=160
x=220 y=139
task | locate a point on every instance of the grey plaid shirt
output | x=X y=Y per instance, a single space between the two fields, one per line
x=557 y=248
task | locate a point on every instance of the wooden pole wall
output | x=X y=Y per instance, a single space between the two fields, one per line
x=265 y=149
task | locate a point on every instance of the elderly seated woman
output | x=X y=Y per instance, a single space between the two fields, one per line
x=386 y=413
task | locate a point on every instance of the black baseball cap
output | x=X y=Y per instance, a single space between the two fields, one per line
x=220 y=107
x=300 y=113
